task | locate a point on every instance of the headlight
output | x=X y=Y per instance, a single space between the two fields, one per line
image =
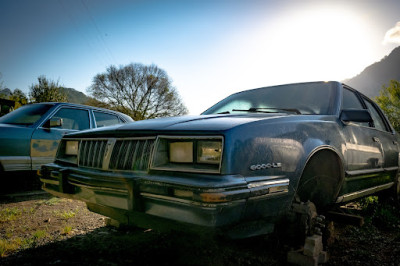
x=68 y=151
x=181 y=152
x=71 y=147
x=209 y=151
x=188 y=154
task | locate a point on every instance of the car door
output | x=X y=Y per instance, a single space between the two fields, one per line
x=45 y=139
x=384 y=135
x=363 y=152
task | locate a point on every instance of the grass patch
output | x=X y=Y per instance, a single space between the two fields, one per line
x=9 y=214
x=66 y=214
x=33 y=239
x=66 y=230
x=50 y=202
x=379 y=213
x=9 y=246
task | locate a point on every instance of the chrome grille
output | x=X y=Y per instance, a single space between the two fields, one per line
x=131 y=154
x=91 y=153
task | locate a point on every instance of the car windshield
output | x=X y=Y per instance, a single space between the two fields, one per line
x=305 y=98
x=26 y=115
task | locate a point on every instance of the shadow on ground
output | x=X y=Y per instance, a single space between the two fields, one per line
x=108 y=246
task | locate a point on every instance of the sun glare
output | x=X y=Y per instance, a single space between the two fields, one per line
x=321 y=43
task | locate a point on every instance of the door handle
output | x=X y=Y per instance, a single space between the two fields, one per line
x=375 y=139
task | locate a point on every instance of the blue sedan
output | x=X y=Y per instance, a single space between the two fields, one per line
x=237 y=168
x=29 y=136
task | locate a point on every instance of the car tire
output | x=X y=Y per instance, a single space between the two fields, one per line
x=320 y=180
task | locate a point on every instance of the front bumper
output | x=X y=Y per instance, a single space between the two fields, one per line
x=226 y=203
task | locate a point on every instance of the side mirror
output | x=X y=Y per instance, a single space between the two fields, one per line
x=53 y=122
x=356 y=115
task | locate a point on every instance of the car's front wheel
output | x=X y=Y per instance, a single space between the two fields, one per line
x=320 y=180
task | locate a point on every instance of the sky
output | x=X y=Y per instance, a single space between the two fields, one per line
x=209 y=48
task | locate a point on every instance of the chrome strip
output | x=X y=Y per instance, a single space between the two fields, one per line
x=107 y=153
x=148 y=195
x=394 y=168
x=284 y=182
x=361 y=193
x=365 y=172
x=275 y=194
x=15 y=163
x=105 y=189
x=188 y=202
x=49 y=181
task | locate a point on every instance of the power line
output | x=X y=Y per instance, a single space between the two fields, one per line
x=108 y=51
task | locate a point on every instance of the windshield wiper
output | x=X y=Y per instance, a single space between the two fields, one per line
x=223 y=113
x=260 y=110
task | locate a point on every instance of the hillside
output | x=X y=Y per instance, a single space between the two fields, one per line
x=75 y=96
x=370 y=80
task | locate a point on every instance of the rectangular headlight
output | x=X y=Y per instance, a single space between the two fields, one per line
x=209 y=151
x=71 y=147
x=181 y=152
x=202 y=154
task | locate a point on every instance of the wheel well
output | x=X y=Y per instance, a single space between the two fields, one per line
x=321 y=178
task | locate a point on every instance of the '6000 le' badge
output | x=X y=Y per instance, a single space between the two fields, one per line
x=265 y=166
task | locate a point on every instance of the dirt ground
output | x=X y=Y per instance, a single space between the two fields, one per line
x=45 y=230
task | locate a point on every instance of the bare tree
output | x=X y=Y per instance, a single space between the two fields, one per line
x=140 y=91
x=47 y=91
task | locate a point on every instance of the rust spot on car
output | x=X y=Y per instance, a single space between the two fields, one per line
x=44 y=148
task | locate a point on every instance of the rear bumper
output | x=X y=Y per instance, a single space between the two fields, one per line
x=157 y=202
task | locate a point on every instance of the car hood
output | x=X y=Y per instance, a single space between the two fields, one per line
x=14 y=131
x=214 y=123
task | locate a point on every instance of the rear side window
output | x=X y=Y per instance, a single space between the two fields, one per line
x=104 y=119
x=379 y=121
x=76 y=119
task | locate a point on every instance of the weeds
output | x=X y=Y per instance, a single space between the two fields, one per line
x=66 y=230
x=381 y=214
x=9 y=214
x=39 y=234
x=50 y=202
x=66 y=214
x=9 y=246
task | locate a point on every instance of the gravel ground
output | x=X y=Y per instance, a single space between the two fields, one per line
x=44 y=230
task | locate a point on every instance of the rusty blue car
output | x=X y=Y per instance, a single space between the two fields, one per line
x=237 y=168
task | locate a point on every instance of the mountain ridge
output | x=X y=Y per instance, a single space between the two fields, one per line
x=373 y=77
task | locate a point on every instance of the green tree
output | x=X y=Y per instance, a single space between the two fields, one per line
x=19 y=97
x=140 y=91
x=389 y=101
x=47 y=91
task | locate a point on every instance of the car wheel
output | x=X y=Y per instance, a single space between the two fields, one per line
x=320 y=180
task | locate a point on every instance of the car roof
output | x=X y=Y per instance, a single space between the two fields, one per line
x=87 y=106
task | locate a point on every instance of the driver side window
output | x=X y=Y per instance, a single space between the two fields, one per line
x=351 y=101
x=75 y=119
